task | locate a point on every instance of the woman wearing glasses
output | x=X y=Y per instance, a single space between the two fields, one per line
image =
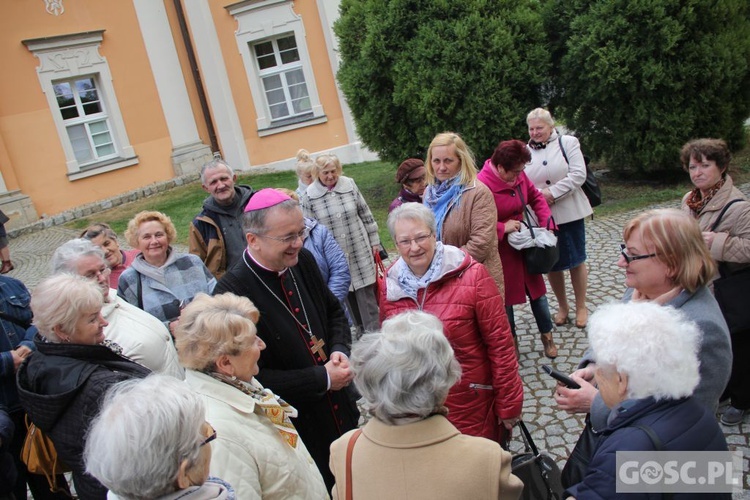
x=161 y=281
x=336 y=202
x=447 y=282
x=665 y=261
x=169 y=436
x=257 y=449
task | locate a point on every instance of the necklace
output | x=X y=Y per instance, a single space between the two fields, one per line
x=316 y=344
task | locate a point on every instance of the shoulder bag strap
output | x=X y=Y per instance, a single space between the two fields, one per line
x=657 y=444
x=723 y=211
x=526 y=212
x=349 y=450
x=562 y=149
x=139 y=291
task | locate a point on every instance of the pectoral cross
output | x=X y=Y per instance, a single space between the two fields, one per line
x=316 y=346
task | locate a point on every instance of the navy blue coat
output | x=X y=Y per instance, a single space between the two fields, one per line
x=681 y=425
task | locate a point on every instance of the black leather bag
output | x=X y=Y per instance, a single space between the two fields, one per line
x=538 y=471
x=539 y=260
x=732 y=290
x=578 y=461
x=591 y=186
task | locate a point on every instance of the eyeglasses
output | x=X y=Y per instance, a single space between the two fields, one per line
x=210 y=437
x=630 y=258
x=419 y=240
x=96 y=274
x=287 y=240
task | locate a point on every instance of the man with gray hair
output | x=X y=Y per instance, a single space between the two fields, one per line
x=216 y=234
x=143 y=338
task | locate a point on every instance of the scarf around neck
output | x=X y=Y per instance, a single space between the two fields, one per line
x=410 y=283
x=440 y=197
x=153 y=272
x=274 y=408
x=697 y=202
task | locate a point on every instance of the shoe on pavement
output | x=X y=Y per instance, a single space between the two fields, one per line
x=732 y=416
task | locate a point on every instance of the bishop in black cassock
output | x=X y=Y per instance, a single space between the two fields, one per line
x=302 y=324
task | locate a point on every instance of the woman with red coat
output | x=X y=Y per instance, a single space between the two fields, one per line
x=512 y=189
x=447 y=282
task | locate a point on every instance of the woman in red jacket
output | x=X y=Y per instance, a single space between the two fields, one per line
x=512 y=190
x=446 y=281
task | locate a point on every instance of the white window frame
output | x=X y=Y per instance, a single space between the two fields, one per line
x=76 y=56
x=267 y=20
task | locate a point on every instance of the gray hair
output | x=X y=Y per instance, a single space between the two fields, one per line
x=656 y=346
x=541 y=114
x=254 y=221
x=59 y=301
x=135 y=445
x=215 y=163
x=406 y=369
x=97 y=229
x=413 y=212
x=68 y=254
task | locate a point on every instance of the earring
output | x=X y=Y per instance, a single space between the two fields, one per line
x=234 y=378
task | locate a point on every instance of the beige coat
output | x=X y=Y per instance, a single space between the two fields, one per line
x=732 y=241
x=427 y=459
x=473 y=226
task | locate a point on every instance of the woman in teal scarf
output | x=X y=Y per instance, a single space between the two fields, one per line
x=464 y=207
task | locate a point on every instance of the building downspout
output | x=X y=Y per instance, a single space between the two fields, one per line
x=196 y=76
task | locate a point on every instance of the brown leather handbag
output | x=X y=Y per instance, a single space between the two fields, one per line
x=40 y=456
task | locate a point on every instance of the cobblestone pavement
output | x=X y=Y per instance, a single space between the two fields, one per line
x=553 y=430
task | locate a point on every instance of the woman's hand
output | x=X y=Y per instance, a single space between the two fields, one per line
x=512 y=226
x=508 y=423
x=548 y=196
x=708 y=237
x=576 y=400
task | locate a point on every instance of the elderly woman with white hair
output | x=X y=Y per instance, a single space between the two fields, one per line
x=143 y=338
x=647 y=368
x=71 y=342
x=161 y=449
x=446 y=281
x=257 y=449
x=409 y=448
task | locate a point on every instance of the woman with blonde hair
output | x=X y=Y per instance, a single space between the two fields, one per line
x=257 y=449
x=304 y=168
x=558 y=170
x=161 y=281
x=336 y=202
x=464 y=208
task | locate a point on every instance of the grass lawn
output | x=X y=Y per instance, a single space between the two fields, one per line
x=376 y=181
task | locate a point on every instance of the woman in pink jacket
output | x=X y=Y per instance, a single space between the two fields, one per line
x=512 y=190
x=446 y=281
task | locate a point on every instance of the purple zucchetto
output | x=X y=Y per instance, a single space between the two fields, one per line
x=265 y=198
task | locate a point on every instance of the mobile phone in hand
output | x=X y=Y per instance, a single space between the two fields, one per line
x=561 y=377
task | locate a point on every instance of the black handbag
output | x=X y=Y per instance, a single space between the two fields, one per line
x=591 y=186
x=538 y=471
x=732 y=289
x=539 y=260
x=578 y=461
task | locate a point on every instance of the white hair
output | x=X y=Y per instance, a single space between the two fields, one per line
x=413 y=212
x=406 y=369
x=145 y=429
x=66 y=256
x=541 y=114
x=60 y=301
x=655 y=346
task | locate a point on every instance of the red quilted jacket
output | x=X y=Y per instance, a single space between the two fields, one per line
x=467 y=301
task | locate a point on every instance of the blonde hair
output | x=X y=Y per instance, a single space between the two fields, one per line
x=305 y=163
x=540 y=114
x=210 y=327
x=131 y=233
x=323 y=161
x=293 y=195
x=468 y=170
x=60 y=300
x=678 y=243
